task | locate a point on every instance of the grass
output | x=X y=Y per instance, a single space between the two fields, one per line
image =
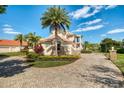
x=12 y=54
x=45 y=64
x=36 y=60
x=120 y=62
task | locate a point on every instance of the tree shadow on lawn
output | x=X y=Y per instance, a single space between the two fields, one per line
x=12 y=67
x=109 y=80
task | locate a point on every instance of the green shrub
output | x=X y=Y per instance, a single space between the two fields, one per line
x=34 y=56
x=121 y=50
x=60 y=58
x=86 y=51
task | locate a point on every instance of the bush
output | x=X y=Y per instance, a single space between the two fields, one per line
x=38 y=49
x=59 y=58
x=34 y=56
x=86 y=51
x=121 y=50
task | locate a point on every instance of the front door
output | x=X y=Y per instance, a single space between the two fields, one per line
x=58 y=47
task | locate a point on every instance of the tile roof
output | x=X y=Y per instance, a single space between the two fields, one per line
x=11 y=43
x=52 y=37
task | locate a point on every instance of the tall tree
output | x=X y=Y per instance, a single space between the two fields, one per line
x=20 y=38
x=2 y=9
x=56 y=19
x=107 y=43
x=123 y=43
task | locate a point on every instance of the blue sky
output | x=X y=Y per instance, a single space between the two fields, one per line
x=93 y=22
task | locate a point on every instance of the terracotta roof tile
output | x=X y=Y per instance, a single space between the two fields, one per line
x=11 y=43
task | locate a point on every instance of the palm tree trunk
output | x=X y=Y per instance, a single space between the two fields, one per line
x=56 y=50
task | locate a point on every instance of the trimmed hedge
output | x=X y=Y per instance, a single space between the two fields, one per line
x=34 y=56
x=121 y=51
x=86 y=51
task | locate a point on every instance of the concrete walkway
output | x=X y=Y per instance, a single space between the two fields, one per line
x=92 y=70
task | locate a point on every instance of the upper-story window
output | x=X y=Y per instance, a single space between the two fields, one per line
x=78 y=39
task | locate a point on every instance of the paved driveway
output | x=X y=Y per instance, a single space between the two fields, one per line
x=92 y=70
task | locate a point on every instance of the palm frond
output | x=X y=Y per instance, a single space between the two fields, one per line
x=55 y=17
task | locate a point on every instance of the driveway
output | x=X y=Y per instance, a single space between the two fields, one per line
x=91 y=70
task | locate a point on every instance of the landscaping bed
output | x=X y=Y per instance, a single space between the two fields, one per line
x=36 y=60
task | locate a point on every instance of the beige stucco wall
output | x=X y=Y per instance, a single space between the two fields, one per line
x=4 y=49
x=71 y=50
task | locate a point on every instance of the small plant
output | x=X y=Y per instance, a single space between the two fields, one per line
x=39 y=49
x=86 y=51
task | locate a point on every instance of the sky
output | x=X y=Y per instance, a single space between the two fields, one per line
x=94 y=23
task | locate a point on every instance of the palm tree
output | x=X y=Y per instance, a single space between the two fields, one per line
x=2 y=9
x=20 y=38
x=56 y=19
x=32 y=39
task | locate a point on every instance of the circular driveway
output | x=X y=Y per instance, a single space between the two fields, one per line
x=91 y=70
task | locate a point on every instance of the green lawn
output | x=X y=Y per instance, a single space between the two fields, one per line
x=45 y=64
x=43 y=61
x=12 y=54
x=36 y=60
x=120 y=62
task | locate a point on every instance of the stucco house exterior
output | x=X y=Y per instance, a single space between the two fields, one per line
x=67 y=43
x=10 y=46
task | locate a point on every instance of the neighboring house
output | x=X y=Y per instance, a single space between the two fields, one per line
x=10 y=46
x=67 y=44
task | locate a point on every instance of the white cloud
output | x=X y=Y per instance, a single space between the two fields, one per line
x=12 y=32
x=91 y=22
x=88 y=11
x=85 y=11
x=80 y=12
x=110 y=6
x=115 y=31
x=96 y=10
x=7 y=25
x=8 y=29
x=90 y=28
